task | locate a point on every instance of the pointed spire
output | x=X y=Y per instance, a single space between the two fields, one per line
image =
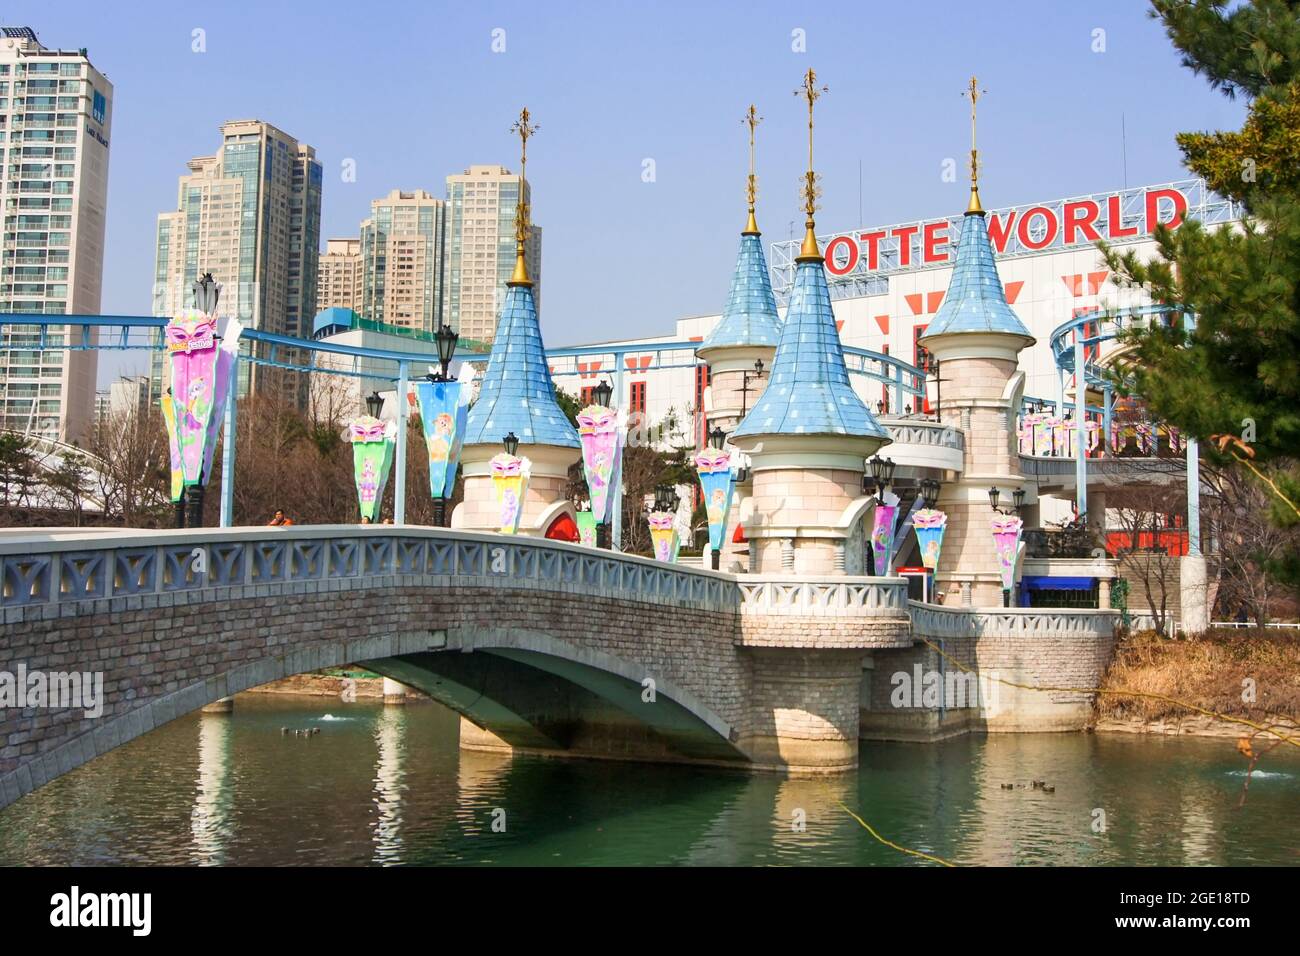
x=525 y=129
x=752 y=119
x=808 y=250
x=750 y=317
x=974 y=93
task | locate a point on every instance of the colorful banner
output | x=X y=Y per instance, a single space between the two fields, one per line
x=1006 y=542
x=173 y=441
x=602 y=446
x=713 y=465
x=1093 y=430
x=586 y=522
x=1025 y=433
x=1175 y=439
x=882 y=536
x=200 y=376
x=1043 y=431
x=930 y=526
x=443 y=410
x=663 y=535
x=1146 y=437
x=373 y=443
x=510 y=482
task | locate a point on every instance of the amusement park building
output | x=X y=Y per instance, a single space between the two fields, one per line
x=887 y=283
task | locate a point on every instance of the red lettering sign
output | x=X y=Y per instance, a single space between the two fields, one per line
x=1000 y=230
x=872 y=239
x=1049 y=234
x=850 y=263
x=1115 y=221
x=904 y=235
x=1153 y=208
x=933 y=240
x=1080 y=216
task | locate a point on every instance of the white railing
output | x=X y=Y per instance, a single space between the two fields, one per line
x=832 y=596
x=932 y=620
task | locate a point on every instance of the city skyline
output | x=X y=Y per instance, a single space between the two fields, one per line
x=609 y=229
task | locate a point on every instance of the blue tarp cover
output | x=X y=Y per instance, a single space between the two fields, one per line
x=1045 y=583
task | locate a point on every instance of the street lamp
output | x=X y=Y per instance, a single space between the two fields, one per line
x=716 y=437
x=1018 y=499
x=880 y=478
x=374 y=404
x=511 y=443
x=929 y=492
x=207 y=291
x=880 y=408
x=446 y=340
x=745 y=376
x=602 y=393
x=1017 y=496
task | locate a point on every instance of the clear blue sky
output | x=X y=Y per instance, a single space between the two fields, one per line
x=413 y=92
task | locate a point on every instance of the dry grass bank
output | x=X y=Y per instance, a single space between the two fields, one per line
x=1208 y=671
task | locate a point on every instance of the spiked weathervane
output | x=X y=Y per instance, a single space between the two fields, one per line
x=973 y=92
x=752 y=119
x=810 y=92
x=525 y=128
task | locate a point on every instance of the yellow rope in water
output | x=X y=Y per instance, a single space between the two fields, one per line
x=889 y=843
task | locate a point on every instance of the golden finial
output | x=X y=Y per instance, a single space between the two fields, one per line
x=751 y=120
x=974 y=93
x=525 y=129
x=810 y=92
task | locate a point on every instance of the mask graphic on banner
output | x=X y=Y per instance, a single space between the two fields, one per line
x=510 y=482
x=373 y=443
x=1006 y=542
x=714 y=468
x=444 y=407
x=199 y=375
x=882 y=533
x=586 y=529
x=930 y=526
x=663 y=534
x=602 y=440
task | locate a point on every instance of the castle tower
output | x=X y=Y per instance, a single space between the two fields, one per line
x=809 y=433
x=977 y=340
x=746 y=334
x=517 y=396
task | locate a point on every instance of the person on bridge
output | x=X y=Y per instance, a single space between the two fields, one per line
x=281 y=520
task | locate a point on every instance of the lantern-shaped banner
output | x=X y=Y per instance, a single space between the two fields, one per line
x=663 y=535
x=1025 y=433
x=373 y=443
x=1093 y=430
x=443 y=409
x=173 y=447
x=586 y=522
x=930 y=526
x=602 y=447
x=510 y=482
x=882 y=532
x=1043 y=430
x=713 y=465
x=200 y=375
x=1175 y=440
x=1006 y=542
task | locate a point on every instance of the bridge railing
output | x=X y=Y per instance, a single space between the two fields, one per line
x=56 y=571
x=831 y=596
x=932 y=620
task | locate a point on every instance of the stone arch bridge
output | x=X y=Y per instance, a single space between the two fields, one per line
x=540 y=645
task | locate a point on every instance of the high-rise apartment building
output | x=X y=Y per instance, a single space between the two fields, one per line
x=402 y=245
x=338 y=279
x=56 y=113
x=250 y=215
x=481 y=248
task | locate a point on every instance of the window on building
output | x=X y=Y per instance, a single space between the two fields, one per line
x=636 y=399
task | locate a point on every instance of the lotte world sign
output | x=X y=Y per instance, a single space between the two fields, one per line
x=1128 y=215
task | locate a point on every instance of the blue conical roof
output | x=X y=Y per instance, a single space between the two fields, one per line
x=750 y=316
x=975 y=300
x=809 y=391
x=516 y=394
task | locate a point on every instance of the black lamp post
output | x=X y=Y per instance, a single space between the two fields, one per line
x=929 y=492
x=207 y=292
x=602 y=393
x=879 y=477
x=880 y=408
x=446 y=340
x=374 y=404
x=745 y=376
x=717 y=437
x=511 y=444
x=1017 y=497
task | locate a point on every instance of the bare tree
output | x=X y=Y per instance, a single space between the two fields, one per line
x=133 y=469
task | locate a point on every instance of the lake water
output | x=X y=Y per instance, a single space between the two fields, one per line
x=390 y=785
